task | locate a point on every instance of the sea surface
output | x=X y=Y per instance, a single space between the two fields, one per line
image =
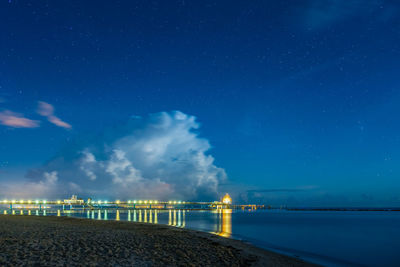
x=331 y=238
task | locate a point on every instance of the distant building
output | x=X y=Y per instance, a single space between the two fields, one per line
x=74 y=200
x=227 y=199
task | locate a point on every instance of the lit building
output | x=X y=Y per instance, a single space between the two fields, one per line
x=227 y=199
x=74 y=200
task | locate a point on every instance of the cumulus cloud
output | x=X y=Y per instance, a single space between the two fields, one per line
x=47 y=110
x=16 y=120
x=46 y=187
x=160 y=156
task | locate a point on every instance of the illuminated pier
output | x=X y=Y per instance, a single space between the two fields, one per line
x=75 y=203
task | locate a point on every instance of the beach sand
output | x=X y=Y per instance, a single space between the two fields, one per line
x=62 y=241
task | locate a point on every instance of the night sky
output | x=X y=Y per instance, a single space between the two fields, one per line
x=280 y=102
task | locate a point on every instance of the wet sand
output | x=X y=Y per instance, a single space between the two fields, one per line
x=62 y=241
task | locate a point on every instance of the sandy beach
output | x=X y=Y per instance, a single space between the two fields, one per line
x=62 y=241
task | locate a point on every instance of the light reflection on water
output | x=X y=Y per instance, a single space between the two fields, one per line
x=217 y=222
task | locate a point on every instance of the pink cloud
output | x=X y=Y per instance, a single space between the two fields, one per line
x=57 y=121
x=16 y=120
x=47 y=110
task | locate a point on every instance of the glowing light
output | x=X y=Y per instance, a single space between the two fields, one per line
x=227 y=199
x=58 y=201
x=37 y=201
x=180 y=202
x=151 y=201
x=169 y=202
x=99 y=201
x=13 y=201
x=174 y=202
x=21 y=201
x=156 y=201
x=145 y=202
x=29 y=201
x=5 y=200
x=44 y=201
x=134 y=201
x=140 y=202
x=129 y=202
x=117 y=201
x=105 y=202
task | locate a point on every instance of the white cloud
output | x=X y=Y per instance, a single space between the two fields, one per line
x=88 y=164
x=156 y=157
x=50 y=177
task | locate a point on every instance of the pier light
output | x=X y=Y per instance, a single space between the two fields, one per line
x=99 y=201
x=105 y=201
x=145 y=202
x=180 y=202
x=155 y=201
x=21 y=201
x=174 y=202
x=29 y=201
x=183 y=202
x=134 y=202
x=5 y=201
x=13 y=201
x=58 y=201
x=169 y=202
x=44 y=201
x=140 y=202
x=129 y=202
x=37 y=201
x=227 y=199
x=117 y=201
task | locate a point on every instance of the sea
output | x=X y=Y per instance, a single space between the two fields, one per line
x=329 y=238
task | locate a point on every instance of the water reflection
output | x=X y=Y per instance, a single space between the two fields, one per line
x=225 y=223
x=117 y=216
x=217 y=221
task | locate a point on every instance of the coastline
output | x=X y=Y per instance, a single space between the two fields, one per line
x=56 y=241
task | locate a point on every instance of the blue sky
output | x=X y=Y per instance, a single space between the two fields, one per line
x=296 y=103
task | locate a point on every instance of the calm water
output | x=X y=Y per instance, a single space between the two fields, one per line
x=327 y=237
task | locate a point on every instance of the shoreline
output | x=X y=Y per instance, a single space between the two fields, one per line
x=56 y=241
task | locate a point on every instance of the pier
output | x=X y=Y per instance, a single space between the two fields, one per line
x=118 y=204
x=95 y=204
